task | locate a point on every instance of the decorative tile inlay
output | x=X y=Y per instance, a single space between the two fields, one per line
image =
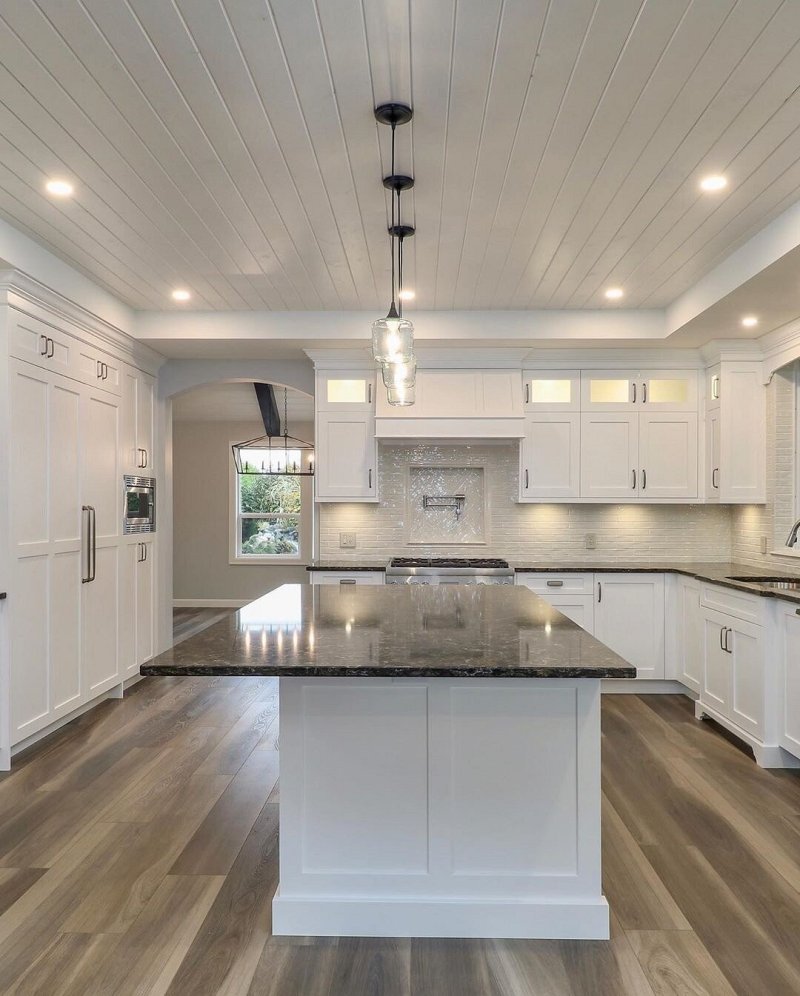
x=446 y=505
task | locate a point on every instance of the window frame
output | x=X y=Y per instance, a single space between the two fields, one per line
x=235 y=556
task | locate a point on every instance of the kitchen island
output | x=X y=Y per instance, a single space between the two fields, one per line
x=440 y=757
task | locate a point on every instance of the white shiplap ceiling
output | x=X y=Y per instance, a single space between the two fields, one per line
x=229 y=146
x=237 y=403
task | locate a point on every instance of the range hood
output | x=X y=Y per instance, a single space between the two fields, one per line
x=456 y=404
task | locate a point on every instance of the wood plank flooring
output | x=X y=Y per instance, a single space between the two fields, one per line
x=139 y=854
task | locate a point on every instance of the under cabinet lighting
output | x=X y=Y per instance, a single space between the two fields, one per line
x=749 y=321
x=615 y=293
x=713 y=183
x=181 y=295
x=59 y=188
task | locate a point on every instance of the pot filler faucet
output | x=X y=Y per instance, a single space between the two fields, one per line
x=791 y=539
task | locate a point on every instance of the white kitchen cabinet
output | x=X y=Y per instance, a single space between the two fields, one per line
x=668 y=455
x=609 y=455
x=733 y=680
x=550 y=457
x=629 y=390
x=345 y=390
x=552 y=390
x=789 y=692
x=735 y=457
x=347 y=458
x=635 y=456
x=629 y=618
x=138 y=409
x=690 y=647
x=346 y=577
x=42 y=344
x=569 y=593
x=137 y=595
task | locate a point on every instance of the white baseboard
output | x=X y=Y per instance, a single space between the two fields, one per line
x=398 y=916
x=644 y=686
x=210 y=603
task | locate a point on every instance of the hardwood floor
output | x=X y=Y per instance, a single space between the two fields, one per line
x=138 y=854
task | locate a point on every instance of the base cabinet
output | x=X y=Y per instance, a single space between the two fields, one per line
x=137 y=593
x=629 y=618
x=690 y=638
x=571 y=594
x=789 y=694
x=734 y=671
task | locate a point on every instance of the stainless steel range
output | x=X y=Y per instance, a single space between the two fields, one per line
x=448 y=570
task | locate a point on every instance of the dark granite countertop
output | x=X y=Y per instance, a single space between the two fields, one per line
x=717 y=573
x=333 y=565
x=395 y=631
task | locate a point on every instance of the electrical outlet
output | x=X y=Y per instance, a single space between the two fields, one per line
x=763 y=544
x=590 y=541
x=347 y=541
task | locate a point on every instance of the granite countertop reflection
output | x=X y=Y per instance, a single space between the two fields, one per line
x=395 y=631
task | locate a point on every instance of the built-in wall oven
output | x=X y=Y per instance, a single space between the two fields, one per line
x=139 y=504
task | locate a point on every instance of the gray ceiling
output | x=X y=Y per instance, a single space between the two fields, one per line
x=229 y=146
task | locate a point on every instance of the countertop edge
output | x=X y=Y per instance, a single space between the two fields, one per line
x=301 y=671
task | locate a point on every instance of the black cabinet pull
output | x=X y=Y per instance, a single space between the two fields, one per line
x=43 y=345
x=644 y=479
x=51 y=349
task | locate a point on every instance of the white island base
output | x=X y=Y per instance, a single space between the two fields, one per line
x=440 y=807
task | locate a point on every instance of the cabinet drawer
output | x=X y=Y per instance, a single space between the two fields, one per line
x=346 y=577
x=748 y=608
x=548 y=583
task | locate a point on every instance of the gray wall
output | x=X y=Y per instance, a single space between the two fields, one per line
x=201 y=458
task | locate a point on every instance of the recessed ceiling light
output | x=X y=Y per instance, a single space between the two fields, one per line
x=59 y=188
x=615 y=293
x=713 y=183
x=407 y=295
x=181 y=295
x=749 y=321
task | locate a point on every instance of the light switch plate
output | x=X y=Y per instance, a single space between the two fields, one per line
x=590 y=541
x=347 y=541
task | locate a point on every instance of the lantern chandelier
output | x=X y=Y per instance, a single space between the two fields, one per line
x=276 y=453
x=393 y=336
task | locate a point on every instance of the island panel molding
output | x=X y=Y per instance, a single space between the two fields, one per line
x=440 y=808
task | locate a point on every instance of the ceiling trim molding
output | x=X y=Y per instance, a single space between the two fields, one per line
x=31 y=296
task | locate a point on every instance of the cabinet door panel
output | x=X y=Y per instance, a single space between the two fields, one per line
x=609 y=455
x=609 y=390
x=550 y=457
x=629 y=618
x=552 y=390
x=747 y=702
x=790 y=720
x=100 y=614
x=128 y=565
x=29 y=647
x=64 y=462
x=668 y=455
x=346 y=457
x=65 y=632
x=578 y=608
x=716 y=690
x=670 y=390
x=144 y=419
x=29 y=401
x=713 y=469
x=102 y=482
x=145 y=579
x=691 y=651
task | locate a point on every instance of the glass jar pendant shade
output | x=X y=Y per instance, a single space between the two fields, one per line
x=392 y=339
x=399 y=374
x=400 y=395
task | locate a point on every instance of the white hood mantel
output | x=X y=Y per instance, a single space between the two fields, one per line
x=456 y=404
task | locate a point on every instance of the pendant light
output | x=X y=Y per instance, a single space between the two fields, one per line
x=281 y=455
x=393 y=336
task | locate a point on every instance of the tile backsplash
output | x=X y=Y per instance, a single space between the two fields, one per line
x=537 y=532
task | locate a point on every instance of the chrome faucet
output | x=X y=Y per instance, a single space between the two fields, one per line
x=794 y=532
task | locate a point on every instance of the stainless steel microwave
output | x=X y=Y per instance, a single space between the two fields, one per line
x=139 y=503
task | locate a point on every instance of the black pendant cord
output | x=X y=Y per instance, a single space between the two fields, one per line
x=391 y=237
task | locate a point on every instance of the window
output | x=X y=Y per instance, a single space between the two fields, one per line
x=271 y=514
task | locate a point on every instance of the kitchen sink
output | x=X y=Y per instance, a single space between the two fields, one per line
x=779 y=584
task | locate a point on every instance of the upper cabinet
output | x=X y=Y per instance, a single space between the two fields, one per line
x=340 y=391
x=138 y=410
x=551 y=390
x=639 y=390
x=735 y=457
x=346 y=449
